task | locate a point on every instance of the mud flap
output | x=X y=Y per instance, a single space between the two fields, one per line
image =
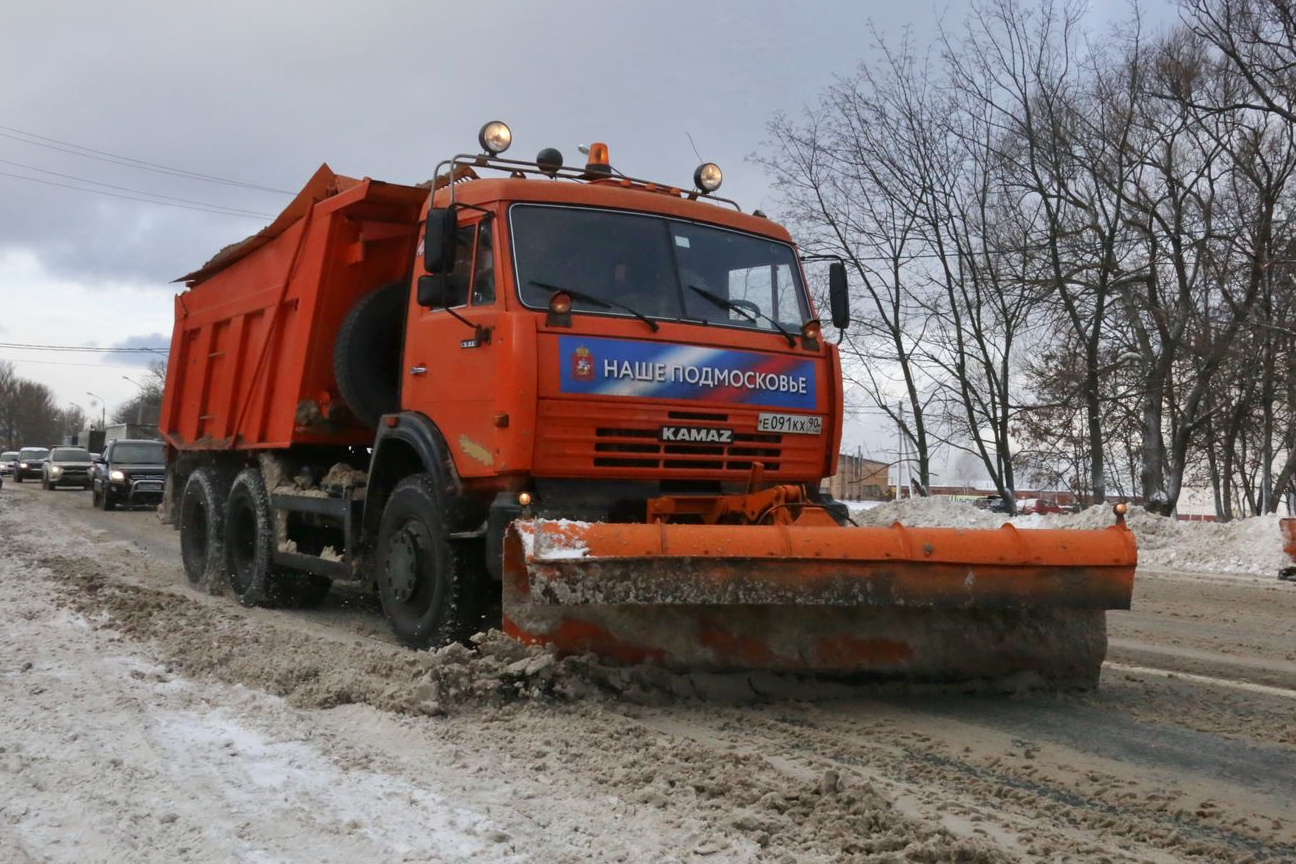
x=922 y=604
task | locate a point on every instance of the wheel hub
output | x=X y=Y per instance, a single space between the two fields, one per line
x=403 y=565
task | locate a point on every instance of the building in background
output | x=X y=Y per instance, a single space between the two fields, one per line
x=857 y=479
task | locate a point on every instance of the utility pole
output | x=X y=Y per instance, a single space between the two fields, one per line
x=139 y=401
x=103 y=410
x=900 y=449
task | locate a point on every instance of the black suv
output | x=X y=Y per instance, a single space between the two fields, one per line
x=30 y=460
x=129 y=472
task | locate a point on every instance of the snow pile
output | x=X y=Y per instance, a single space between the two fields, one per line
x=1245 y=546
x=929 y=513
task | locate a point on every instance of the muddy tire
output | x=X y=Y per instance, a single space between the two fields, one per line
x=104 y=500
x=367 y=354
x=250 y=542
x=202 y=529
x=426 y=591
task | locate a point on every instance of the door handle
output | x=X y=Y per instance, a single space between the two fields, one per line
x=418 y=370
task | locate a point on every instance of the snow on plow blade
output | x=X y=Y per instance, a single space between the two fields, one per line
x=915 y=603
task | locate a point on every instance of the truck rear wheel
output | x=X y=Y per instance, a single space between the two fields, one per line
x=250 y=540
x=250 y=543
x=367 y=355
x=425 y=590
x=202 y=528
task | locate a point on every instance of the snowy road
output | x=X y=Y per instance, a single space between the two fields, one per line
x=140 y=721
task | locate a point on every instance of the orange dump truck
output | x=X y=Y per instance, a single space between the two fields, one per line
x=591 y=409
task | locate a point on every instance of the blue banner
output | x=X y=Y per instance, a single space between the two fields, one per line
x=654 y=370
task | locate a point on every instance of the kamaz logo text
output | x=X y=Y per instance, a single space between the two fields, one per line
x=697 y=434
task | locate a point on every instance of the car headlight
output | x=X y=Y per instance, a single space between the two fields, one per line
x=119 y=476
x=55 y=471
x=22 y=465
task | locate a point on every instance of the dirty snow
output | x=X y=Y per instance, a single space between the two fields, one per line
x=553 y=539
x=1250 y=546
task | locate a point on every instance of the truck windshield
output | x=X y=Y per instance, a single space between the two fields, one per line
x=663 y=268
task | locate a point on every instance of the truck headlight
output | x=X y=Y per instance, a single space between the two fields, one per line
x=708 y=177
x=495 y=137
x=117 y=476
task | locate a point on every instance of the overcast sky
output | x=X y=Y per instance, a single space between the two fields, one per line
x=261 y=93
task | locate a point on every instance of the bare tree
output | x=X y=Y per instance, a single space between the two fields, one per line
x=144 y=407
x=72 y=420
x=1257 y=40
x=847 y=183
x=28 y=413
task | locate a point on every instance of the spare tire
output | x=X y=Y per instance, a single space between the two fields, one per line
x=367 y=353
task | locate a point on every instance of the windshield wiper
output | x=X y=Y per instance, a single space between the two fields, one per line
x=734 y=307
x=597 y=301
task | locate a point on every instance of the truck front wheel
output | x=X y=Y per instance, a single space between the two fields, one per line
x=425 y=592
x=202 y=528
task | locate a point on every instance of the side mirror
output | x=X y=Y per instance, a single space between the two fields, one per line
x=433 y=290
x=838 y=298
x=439 y=240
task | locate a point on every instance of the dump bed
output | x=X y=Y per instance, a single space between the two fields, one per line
x=251 y=362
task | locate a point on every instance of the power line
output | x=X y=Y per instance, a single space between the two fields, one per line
x=68 y=363
x=28 y=346
x=127 y=161
x=134 y=198
x=233 y=210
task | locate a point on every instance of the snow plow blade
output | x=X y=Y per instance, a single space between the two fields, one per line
x=931 y=604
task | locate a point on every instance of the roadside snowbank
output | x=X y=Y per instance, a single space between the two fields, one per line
x=1246 y=546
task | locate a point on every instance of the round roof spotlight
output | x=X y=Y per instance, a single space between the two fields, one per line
x=708 y=177
x=550 y=159
x=495 y=137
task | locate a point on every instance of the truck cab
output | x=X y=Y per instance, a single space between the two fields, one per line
x=596 y=343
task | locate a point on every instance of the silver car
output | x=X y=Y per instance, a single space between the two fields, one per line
x=66 y=466
x=8 y=461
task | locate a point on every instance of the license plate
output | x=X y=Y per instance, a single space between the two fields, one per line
x=790 y=424
x=148 y=486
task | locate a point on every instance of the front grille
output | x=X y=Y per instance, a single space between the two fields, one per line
x=642 y=448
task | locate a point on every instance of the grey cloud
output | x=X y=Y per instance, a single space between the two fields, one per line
x=140 y=358
x=264 y=93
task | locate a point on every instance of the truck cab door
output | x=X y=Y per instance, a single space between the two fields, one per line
x=449 y=373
